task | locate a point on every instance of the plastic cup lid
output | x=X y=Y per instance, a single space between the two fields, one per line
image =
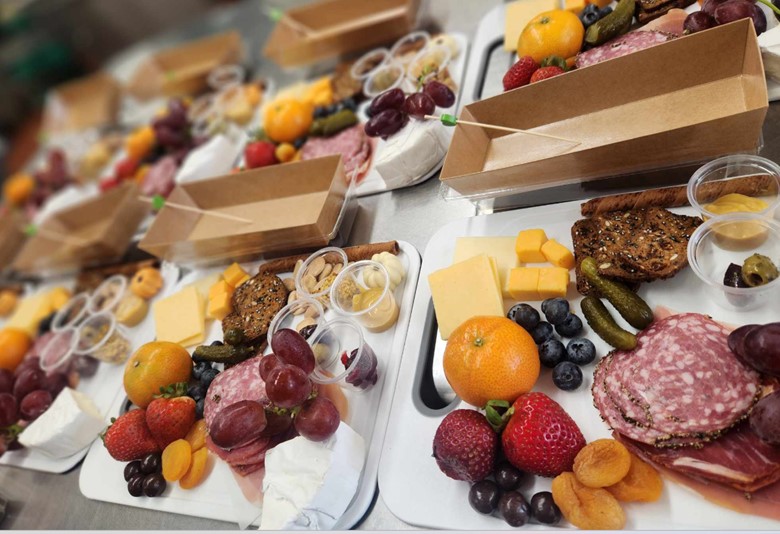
x=59 y=349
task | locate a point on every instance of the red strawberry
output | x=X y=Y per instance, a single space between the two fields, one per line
x=465 y=446
x=520 y=73
x=128 y=438
x=126 y=168
x=171 y=416
x=259 y=154
x=546 y=72
x=541 y=438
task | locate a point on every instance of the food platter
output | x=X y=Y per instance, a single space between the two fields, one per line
x=218 y=498
x=413 y=487
x=372 y=183
x=102 y=388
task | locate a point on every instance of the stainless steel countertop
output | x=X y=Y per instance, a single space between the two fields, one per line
x=44 y=501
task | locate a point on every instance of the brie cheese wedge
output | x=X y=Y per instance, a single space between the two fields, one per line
x=308 y=485
x=412 y=152
x=70 y=424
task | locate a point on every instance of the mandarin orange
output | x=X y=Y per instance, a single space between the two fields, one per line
x=490 y=358
x=14 y=344
x=154 y=366
x=553 y=33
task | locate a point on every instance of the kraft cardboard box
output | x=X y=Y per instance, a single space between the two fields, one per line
x=88 y=102
x=329 y=28
x=12 y=237
x=688 y=100
x=95 y=231
x=290 y=206
x=183 y=70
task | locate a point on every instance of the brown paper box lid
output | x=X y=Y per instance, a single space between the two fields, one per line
x=88 y=102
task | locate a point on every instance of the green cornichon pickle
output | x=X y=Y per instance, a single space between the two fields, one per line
x=629 y=305
x=234 y=336
x=339 y=121
x=616 y=23
x=604 y=325
x=227 y=354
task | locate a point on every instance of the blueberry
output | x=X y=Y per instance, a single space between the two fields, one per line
x=524 y=315
x=198 y=368
x=541 y=332
x=196 y=391
x=349 y=103
x=604 y=12
x=199 y=408
x=591 y=8
x=551 y=353
x=330 y=110
x=589 y=19
x=217 y=343
x=555 y=310
x=298 y=143
x=567 y=376
x=207 y=376
x=570 y=327
x=320 y=112
x=580 y=351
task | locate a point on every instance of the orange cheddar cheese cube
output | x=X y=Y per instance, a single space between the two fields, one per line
x=528 y=246
x=522 y=283
x=244 y=279
x=558 y=255
x=220 y=288
x=234 y=274
x=219 y=306
x=553 y=282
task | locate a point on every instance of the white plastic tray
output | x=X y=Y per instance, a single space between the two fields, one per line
x=102 y=387
x=372 y=182
x=412 y=485
x=101 y=476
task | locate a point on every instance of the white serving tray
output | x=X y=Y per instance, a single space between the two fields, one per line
x=412 y=485
x=372 y=182
x=102 y=387
x=101 y=476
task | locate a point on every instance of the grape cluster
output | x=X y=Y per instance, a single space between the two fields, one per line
x=716 y=12
x=144 y=476
x=172 y=133
x=288 y=386
x=391 y=110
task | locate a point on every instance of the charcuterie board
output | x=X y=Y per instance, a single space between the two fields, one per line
x=372 y=182
x=218 y=496
x=412 y=485
x=102 y=387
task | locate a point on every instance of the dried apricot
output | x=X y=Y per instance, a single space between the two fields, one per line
x=176 y=460
x=642 y=483
x=601 y=463
x=584 y=507
x=197 y=471
x=196 y=437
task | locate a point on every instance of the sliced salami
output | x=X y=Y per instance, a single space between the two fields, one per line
x=241 y=382
x=352 y=144
x=621 y=46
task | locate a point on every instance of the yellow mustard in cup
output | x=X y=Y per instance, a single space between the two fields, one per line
x=736 y=202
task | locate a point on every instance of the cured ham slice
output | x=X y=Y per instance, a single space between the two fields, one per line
x=671 y=23
x=352 y=144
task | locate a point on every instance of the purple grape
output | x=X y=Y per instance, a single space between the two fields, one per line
x=709 y=6
x=318 y=419
x=268 y=364
x=440 y=93
x=390 y=99
x=290 y=346
x=288 y=386
x=385 y=123
x=54 y=383
x=27 y=381
x=34 y=404
x=418 y=105
x=732 y=10
x=169 y=137
x=6 y=381
x=698 y=21
x=9 y=409
x=85 y=366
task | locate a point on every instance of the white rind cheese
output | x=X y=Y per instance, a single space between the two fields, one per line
x=769 y=41
x=308 y=485
x=412 y=152
x=70 y=424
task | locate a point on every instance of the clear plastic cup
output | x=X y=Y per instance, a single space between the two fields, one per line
x=343 y=357
x=108 y=294
x=730 y=239
x=362 y=291
x=59 y=350
x=727 y=168
x=309 y=279
x=225 y=77
x=369 y=62
x=101 y=337
x=297 y=316
x=428 y=63
x=71 y=315
x=408 y=46
x=386 y=77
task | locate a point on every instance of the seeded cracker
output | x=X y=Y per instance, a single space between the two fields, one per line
x=255 y=303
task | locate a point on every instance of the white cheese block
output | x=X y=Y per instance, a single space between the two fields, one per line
x=70 y=424
x=308 y=485
x=769 y=41
x=412 y=152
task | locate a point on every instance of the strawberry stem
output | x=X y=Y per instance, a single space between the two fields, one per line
x=171 y=391
x=497 y=413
